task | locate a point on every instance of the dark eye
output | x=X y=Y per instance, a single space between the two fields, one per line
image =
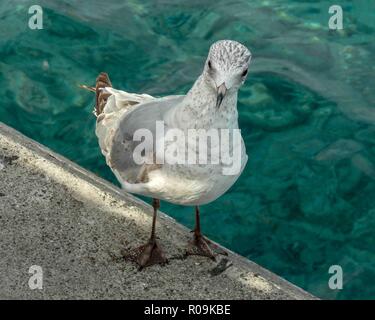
x=244 y=73
x=209 y=64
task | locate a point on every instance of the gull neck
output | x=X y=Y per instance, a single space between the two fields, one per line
x=198 y=109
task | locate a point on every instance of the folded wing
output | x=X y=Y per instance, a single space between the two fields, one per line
x=123 y=114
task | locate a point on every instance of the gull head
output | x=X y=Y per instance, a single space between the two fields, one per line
x=226 y=67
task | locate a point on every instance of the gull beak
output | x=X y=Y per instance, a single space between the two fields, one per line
x=221 y=91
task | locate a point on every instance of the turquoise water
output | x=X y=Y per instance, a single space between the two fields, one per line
x=306 y=199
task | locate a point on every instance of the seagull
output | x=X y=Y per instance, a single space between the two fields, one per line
x=211 y=104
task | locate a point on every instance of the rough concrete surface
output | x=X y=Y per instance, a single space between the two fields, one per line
x=74 y=225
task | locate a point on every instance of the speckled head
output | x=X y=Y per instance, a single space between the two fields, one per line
x=227 y=66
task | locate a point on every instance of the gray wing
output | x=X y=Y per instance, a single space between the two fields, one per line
x=115 y=130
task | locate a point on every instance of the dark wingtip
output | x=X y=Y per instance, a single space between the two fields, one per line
x=102 y=81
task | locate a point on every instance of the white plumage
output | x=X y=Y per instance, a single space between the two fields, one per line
x=186 y=184
x=209 y=110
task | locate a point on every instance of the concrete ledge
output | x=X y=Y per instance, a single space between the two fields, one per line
x=74 y=225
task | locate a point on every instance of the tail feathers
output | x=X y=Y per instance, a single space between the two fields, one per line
x=102 y=81
x=83 y=86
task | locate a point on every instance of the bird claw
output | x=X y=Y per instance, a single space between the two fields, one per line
x=147 y=255
x=217 y=249
x=201 y=246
